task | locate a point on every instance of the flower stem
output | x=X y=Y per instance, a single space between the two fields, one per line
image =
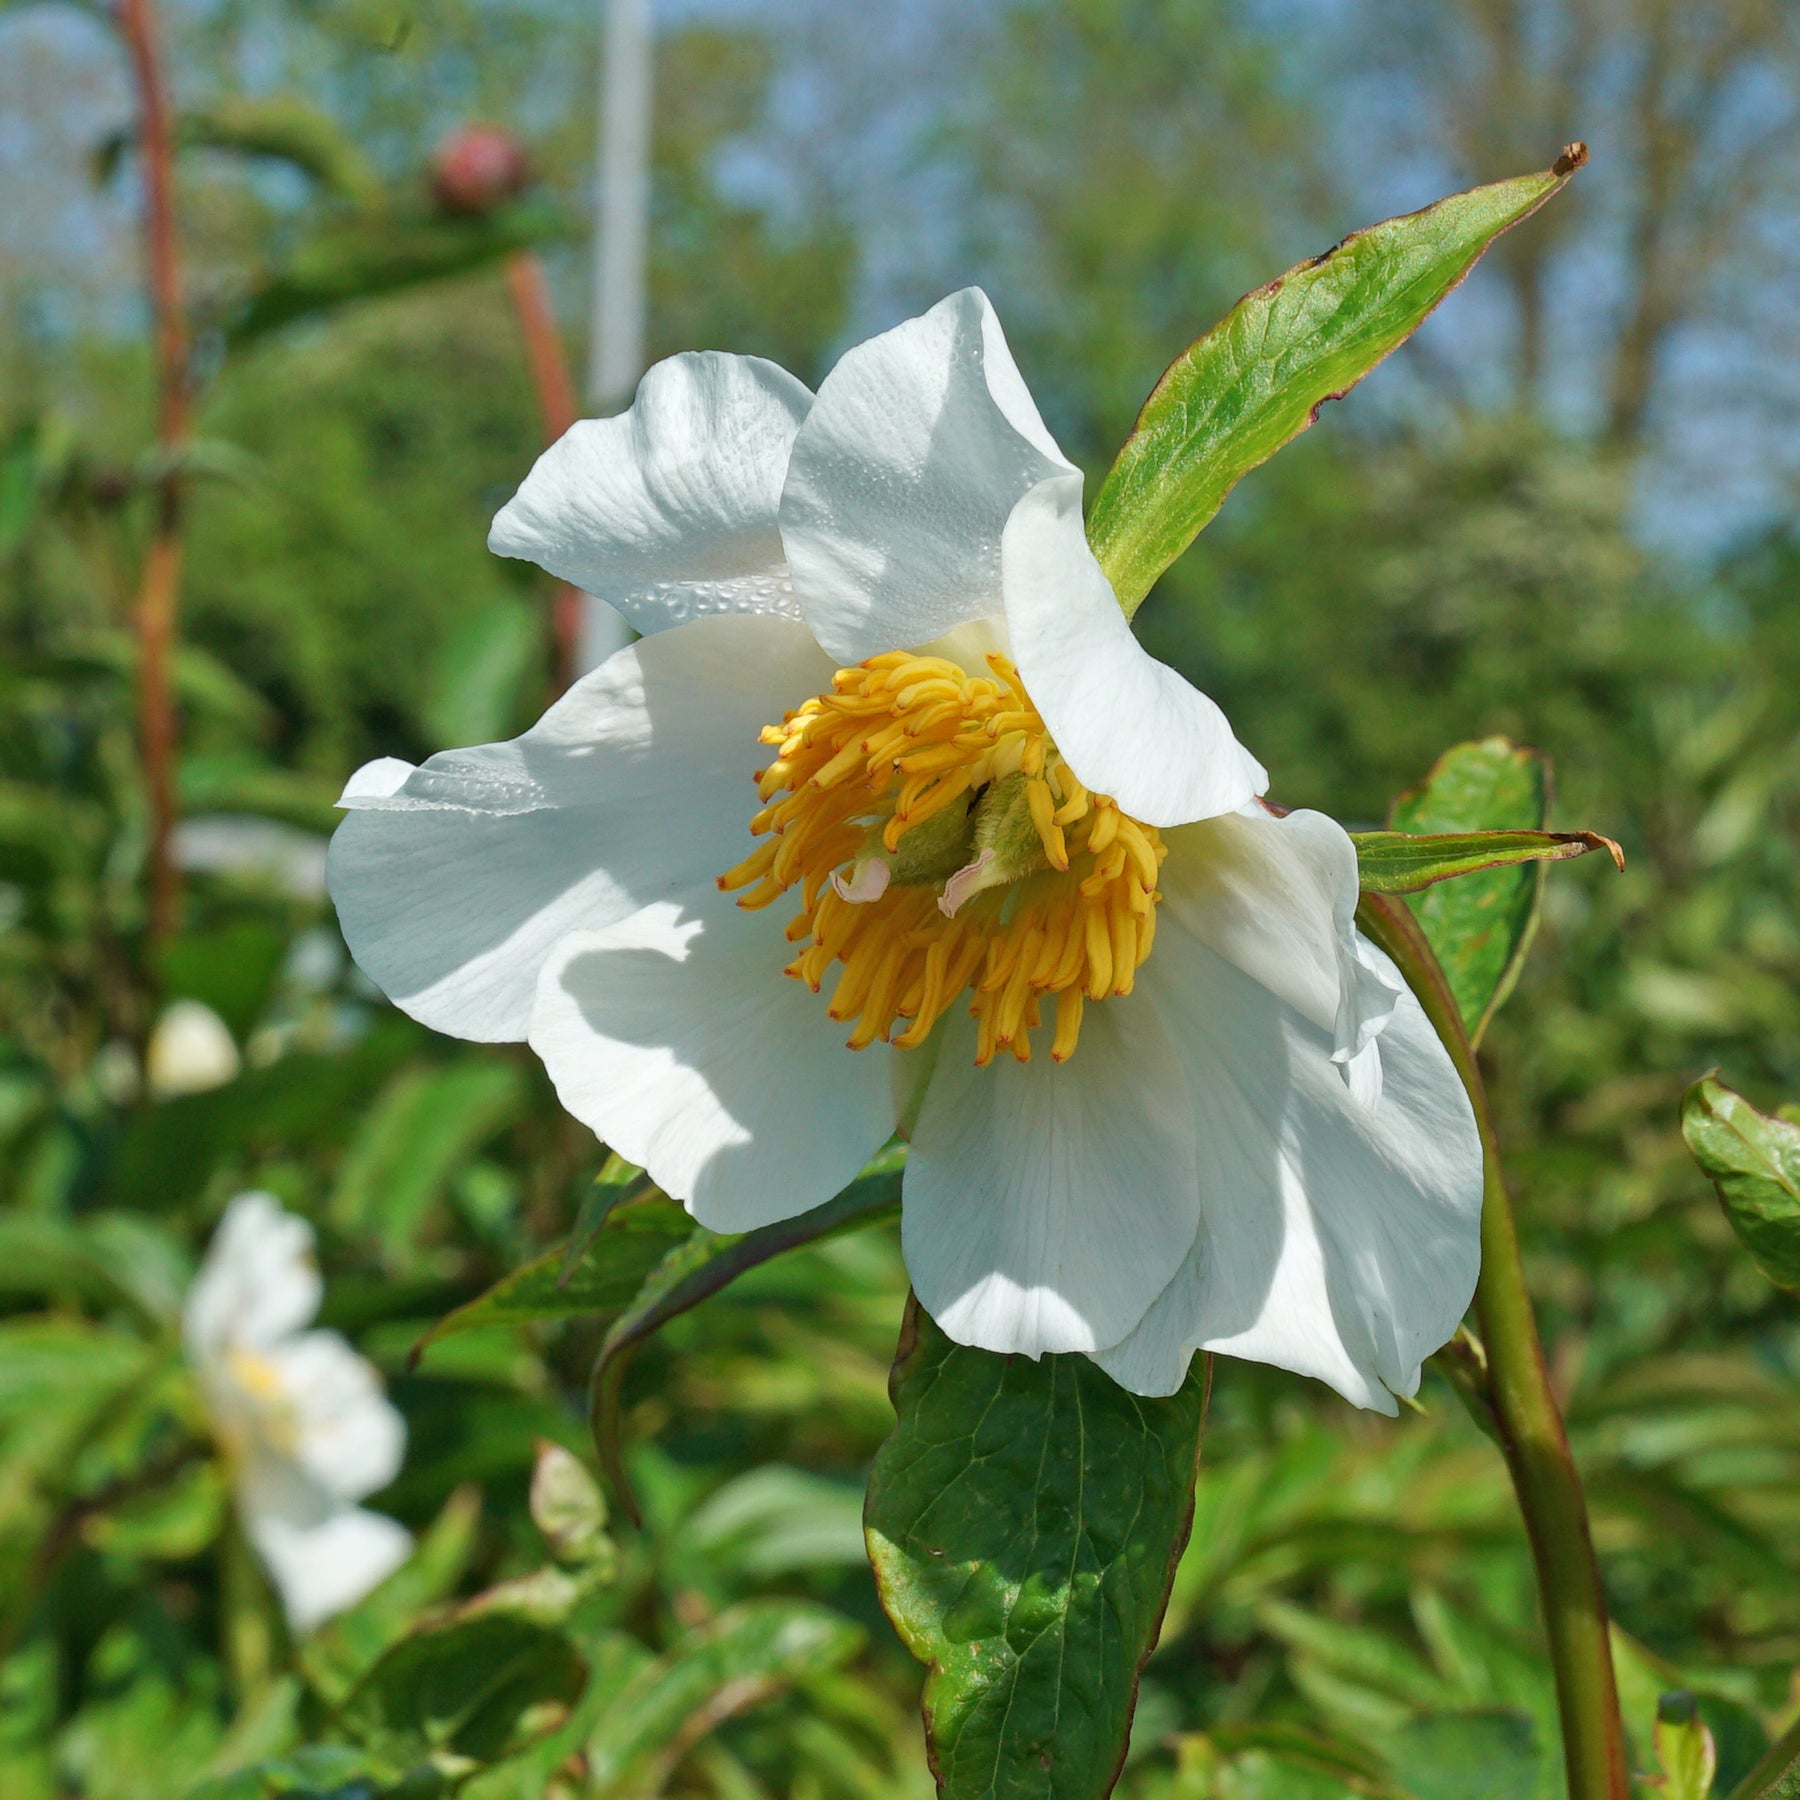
x=159 y=584
x=559 y=410
x=1524 y=1407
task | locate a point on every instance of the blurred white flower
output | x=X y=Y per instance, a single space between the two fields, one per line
x=191 y=1050
x=266 y=850
x=888 y=727
x=301 y=1416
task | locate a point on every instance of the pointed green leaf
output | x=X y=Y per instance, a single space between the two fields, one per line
x=634 y=1239
x=617 y=1182
x=1024 y=1520
x=1259 y=377
x=1754 y=1163
x=708 y=1261
x=725 y=1666
x=1404 y=862
x=1482 y=925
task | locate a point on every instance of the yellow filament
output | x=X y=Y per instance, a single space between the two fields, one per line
x=898 y=741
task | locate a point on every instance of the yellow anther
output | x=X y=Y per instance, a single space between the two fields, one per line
x=1068 y=1024
x=903 y=742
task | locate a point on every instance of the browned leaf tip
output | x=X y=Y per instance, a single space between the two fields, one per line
x=1573 y=156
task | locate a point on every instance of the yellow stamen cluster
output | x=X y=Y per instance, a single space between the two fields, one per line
x=1069 y=911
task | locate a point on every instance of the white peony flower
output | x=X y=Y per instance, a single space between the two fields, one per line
x=888 y=728
x=300 y=1415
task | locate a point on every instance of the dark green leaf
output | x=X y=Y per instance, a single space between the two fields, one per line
x=1777 y=1775
x=633 y=1241
x=1481 y=926
x=1754 y=1163
x=734 y=1662
x=708 y=1261
x=478 y=1686
x=1259 y=377
x=1024 y=1520
x=1402 y=862
x=336 y=1656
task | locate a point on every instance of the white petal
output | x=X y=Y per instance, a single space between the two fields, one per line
x=257 y=1284
x=636 y=786
x=322 y=1556
x=1046 y=1205
x=378 y=780
x=1129 y=725
x=1277 y=896
x=917 y=448
x=667 y=512
x=675 y=1035
x=1341 y=1219
x=348 y=1436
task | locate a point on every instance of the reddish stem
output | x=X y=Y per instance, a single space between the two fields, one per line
x=159 y=586
x=559 y=409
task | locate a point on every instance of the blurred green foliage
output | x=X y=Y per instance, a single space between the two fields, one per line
x=1354 y=1614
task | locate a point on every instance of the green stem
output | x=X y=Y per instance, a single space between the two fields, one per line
x=1531 y=1428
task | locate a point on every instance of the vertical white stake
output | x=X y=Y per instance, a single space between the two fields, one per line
x=622 y=228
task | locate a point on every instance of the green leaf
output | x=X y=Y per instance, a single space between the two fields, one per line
x=1777 y=1775
x=360 y=258
x=424 y=1124
x=635 y=1238
x=1684 y=1748
x=336 y=1656
x=568 y=1507
x=1259 y=377
x=1488 y=1755
x=617 y=1182
x=734 y=1662
x=708 y=1261
x=486 y=670
x=1481 y=926
x=1754 y=1163
x=1025 y=1519
x=1403 y=862
x=480 y=1686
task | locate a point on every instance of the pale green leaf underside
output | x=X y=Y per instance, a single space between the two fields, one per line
x=1404 y=862
x=1259 y=377
x=1754 y=1162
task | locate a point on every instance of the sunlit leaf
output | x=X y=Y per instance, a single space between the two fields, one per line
x=1481 y=925
x=1259 y=377
x=1401 y=862
x=1684 y=1748
x=1025 y=1519
x=1754 y=1163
